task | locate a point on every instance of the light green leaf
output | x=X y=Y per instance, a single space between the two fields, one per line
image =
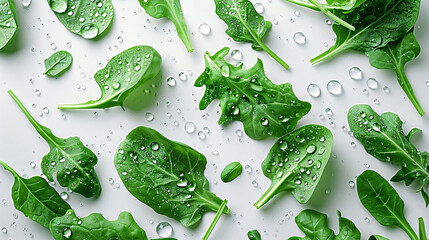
x=8 y=22
x=58 y=63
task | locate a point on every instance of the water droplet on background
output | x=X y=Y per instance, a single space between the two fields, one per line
x=26 y=3
x=299 y=38
x=201 y=135
x=372 y=83
x=204 y=29
x=149 y=116
x=237 y=55
x=355 y=73
x=190 y=127
x=314 y=90
x=351 y=184
x=32 y=165
x=297 y=13
x=164 y=230
x=386 y=89
x=248 y=169
x=259 y=8
x=334 y=87
x=182 y=76
x=171 y=81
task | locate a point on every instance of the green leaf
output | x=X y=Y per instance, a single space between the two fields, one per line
x=172 y=10
x=383 y=137
x=296 y=162
x=394 y=56
x=68 y=158
x=36 y=198
x=348 y=230
x=377 y=237
x=8 y=22
x=254 y=235
x=245 y=24
x=374 y=28
x=382 y=201
x=87 y=18
x=266 y=109
x=123 y=74
x=95 y=226
x=58 y=63
x=165 y=175
x=231 y=172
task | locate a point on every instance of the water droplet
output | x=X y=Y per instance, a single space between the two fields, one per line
x=313 y=90
x=46 y=110
x=111 y=181
x=386 y=89
x=37 y=92
x=366 y=220
x=182 y=76
x=67 y=233
x=64 y=195
x=68 y=44
x=275 y=22
x=311 y=149
x=255 y=184
x=4 y=230
x=215 y=153
x=116 y=85
x=149 y=116
x=355 y=73
x=164 y=230
x=89 y=31
x=53 y=46
x=351 y=184
x=171 y=81
x=239 y=133
x=299 y=38
x=190 y=127
x=26 y=3
x=155 y=146
x=204 y=29
x=248 y=169
x=32 y=164
x=365 y=91
x=264 y=122
x=372 y=83
x=259 y=8
x=201 y=135
x=137 y=68
x=329 y=111
x=376 y=101
x=353 y=144
x=297 y=13
x=237 y=55
x=329 y=22
x=120 y=39
x=334 y=87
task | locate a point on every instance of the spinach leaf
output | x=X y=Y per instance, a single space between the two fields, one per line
x=58 y=63
x=68 y=158
x=296 y=162
x=231 y=172
x=123 y=74
x=377 y=23
x=95 y=226
x=169 y=9
x=246 y=25
x=254 y=235
x=394 y=56
x=382 y=201
x=8 y=22
x=167 y=176
x=383 y=137
x=36 y=198
x=266 y=109
x=315 y=226
x=87 y=18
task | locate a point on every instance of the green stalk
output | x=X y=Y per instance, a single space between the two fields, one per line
x=272 y=54
x=333 y=16
x=408 y=89
x=30 y=118
x=266 y=196
x=422 y=230
x=304 y=4
x=215 y=220
x=409 y=230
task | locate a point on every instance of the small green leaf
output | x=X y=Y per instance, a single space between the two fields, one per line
x=95 y=226
x=231 y=172
x=58 y=63
x=36 y=198
x=377 y=237
x=296 y=162
x=254 y=235
x=8 y=22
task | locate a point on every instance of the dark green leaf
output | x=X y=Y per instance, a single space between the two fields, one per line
x=254 y=235
x=383 y=137
x=245 y=24
x=348 y=230
x=36 y=198
x=123 y=74
x=87 y=18
x=58 y=63
x=231 y=172
x=296 y=163
x=8 y=22
x=249 y=96
x=72 y=162
x=377 y=237
x=95 y=226
x=394 y=56
x=169 y=9
x=167 y=176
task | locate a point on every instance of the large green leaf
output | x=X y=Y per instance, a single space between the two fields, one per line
x=8 y=22
x=58 y=63
x=167 y=176
x=266 y=109
x=169 y=9
x=123 y=74
x=383 y=137
x=87 y=18
x=36 y=198
x=296 y=162
x=68 y=158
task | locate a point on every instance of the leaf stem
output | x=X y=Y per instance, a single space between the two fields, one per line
x=7 y=167
x=215 y=220
x=333 y=16
x=271 y=191
x=25 y=111
x=422 y=230
x=304 y=4
x=272 y=54
x=182 y=30
x=409 y=230
x=408 y=89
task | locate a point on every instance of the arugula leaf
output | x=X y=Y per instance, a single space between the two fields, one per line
x=394 y=56
x=95 y=226
x=87 y=18
x=8 y=22
x=382 y=201
x=36 y=198
x=165 y=175
x=231 y=172
x=246 y=25
x=315 y=226
x=249 y=96
x=296 y=162
x=374 y=28
x=58 y=63
x=383 y=137
x=68 y=158
x=254 y=235
x=169 y=9
x=123 y=74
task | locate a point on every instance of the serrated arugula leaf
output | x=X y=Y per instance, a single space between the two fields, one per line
x=68 y=158
x=58 y=63
x=87 y=18
x=172 y=10
x=394 y=56
x=165 y=175
x=266 y=109
x=296 y=162
x=123 y=74
x=383 y=137
x=8 y=22
x=95 y=226
x=36 y=198
x=246 y=25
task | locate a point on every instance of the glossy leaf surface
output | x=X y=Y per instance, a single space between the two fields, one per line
x=8 y=22
x=58 y=63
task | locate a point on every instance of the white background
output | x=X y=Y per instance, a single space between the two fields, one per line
x=20 y=144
